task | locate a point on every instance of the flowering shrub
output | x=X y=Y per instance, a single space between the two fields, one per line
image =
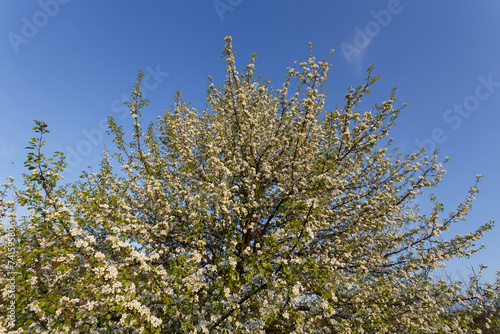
x=264 y=213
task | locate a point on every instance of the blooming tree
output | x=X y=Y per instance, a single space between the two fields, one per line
x=265 y=213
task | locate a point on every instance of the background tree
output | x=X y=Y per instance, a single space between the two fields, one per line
x=265 y=213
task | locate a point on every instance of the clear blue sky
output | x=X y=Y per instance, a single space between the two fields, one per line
x=70 y=62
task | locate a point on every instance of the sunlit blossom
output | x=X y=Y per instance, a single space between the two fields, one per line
x=266 y=212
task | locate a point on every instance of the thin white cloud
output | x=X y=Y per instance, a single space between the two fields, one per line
x=6 y=151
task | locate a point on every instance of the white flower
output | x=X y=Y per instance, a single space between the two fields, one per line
x=81 y=243
x=155 y=321
x=197 y=257
x=113 y=272
x=76 y=231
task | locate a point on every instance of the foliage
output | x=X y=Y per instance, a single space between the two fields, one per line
x=265 y=213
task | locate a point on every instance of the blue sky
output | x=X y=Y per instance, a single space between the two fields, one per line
x=71 y=63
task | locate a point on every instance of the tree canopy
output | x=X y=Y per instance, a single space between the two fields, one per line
x=263 y=213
